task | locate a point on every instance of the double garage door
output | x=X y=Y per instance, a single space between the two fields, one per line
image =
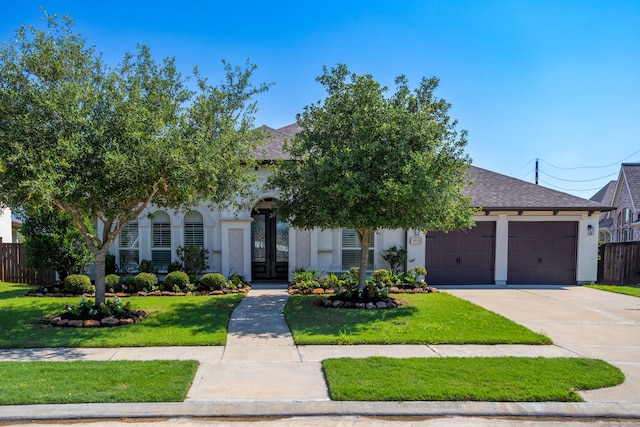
x=539 y=253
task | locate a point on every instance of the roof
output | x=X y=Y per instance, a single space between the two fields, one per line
x=492 y=191
x=605 y=194
x=272 y=148
x=631 y=173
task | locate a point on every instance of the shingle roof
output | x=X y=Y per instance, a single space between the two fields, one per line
x=605 y=194
x=631 y=172
x=492 y=191
x=272 y=148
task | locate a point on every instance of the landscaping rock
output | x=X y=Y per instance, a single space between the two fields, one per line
x=76 y=323
x=91 y=323
x=381 y=304
x=417 y=290
x=370 y=306
x=317 y=291
x=216 y=293
x=349 y=304
x=127 y=321
x=394 y=289
x=327 y=303
x=110 y=321
x=338 y=303
x=433 y=290
x=360 y=305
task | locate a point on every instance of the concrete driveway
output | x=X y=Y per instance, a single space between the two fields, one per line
x=585 y=321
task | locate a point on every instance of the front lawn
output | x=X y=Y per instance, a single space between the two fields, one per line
x=634 y=291
x=172 y=321
x=31 y=383
x=507 y=379
x=436 y=318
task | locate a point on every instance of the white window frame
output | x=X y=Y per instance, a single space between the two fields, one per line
x=129 y=246
x=350 y=250
x=161 y=240
x=194 y=229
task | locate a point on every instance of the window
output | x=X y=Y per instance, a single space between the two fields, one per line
x=351 y=249
x=626 y=216
x=193 y=229
x=161 y=240
x=128 y=246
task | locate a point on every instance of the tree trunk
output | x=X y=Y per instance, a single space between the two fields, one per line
x=364 y=235
x=100 y=264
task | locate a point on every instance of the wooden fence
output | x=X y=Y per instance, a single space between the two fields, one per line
x=620 y=263
x=13 y=267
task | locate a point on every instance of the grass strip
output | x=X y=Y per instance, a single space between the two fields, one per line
x=633 y=291
x=505 y=379
x=172 y=321
x=436 y=318
x=30 y=383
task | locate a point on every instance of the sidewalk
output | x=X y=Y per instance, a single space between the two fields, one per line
x=261 y=372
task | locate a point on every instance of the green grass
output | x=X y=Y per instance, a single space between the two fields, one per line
x=438 y=318
x=172 y=321
x=634 y=291
x=30 y=383
x=511 y=379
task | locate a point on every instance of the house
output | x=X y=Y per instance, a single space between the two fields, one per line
x=524 y=234
x=5 y=226
x=622 y=222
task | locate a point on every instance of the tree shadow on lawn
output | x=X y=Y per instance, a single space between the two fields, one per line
x=438 y=318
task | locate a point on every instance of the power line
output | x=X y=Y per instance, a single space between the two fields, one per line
x=570 y=189
x=579 y=180
x=593 y=167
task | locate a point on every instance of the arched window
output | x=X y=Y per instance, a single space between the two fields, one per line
x=193 y=229
x=129 y=254
x=160 y=240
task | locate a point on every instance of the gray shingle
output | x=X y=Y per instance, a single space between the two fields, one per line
x=492 y=191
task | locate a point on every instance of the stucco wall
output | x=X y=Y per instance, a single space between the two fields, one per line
x=5 y=226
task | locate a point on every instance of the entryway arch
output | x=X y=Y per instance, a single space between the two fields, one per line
x=269 y=243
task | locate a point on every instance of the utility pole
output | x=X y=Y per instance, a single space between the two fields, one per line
x=536 y=171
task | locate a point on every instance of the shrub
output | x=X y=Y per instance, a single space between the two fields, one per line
x=110 y=264
x=353 y=274
x=77 y=284
x=176 y=278
x=111 y=281
x=145 y=282
x=215 y=281
x=396 y=257
x=146 y=266
x=380 y=276
x=174 y=266
x=302 y=275
x=193 y=258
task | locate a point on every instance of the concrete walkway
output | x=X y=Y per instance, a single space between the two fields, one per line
x=261 y=372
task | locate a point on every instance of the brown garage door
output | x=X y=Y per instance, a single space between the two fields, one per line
x=542 y=253
x=461 y=257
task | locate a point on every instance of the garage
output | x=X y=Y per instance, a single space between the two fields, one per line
x=542 y=253
x=461 y=257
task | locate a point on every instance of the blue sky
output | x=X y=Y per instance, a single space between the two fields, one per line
x=554 y=80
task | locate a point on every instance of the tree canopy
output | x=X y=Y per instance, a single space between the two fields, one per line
x=101 y=143
x=368 y=161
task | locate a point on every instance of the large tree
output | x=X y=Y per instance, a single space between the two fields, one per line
x=101 y=143
x=368 y=161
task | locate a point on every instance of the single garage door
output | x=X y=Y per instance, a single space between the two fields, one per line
x=542 y=253
x=461 y=257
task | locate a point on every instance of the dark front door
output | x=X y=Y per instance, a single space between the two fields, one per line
x=269 y=247
x=461 y=257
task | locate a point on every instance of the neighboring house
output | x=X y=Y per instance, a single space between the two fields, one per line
x=622 y=223
x=5 y=226
x=525 y=234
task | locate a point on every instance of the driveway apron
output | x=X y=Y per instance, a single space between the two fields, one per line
x=587 y=322
x=260 y=360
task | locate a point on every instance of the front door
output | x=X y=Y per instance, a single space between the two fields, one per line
x=269 y=247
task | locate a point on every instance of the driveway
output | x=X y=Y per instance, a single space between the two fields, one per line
x=585 y=321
